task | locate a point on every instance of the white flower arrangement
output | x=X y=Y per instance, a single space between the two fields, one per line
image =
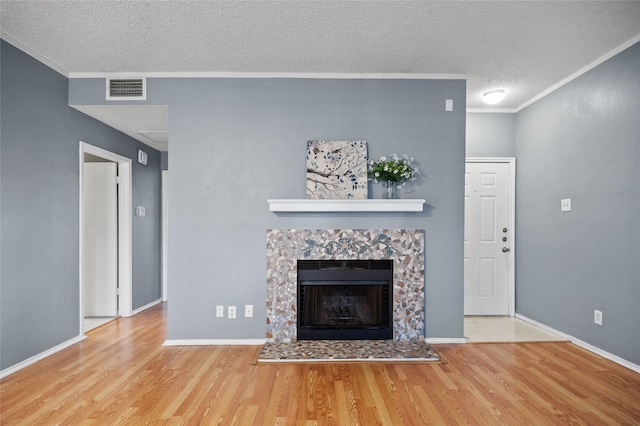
x=395 y=169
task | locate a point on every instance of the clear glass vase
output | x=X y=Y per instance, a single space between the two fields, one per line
x=392 y=190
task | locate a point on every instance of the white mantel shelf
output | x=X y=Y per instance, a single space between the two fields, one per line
x=305 y=205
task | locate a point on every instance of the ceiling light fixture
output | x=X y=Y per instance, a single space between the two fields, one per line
x=493 y=96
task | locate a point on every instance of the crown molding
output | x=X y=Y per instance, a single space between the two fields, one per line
x=34 y=55
x=580 y=72
x=492 y=110
x=265 y=75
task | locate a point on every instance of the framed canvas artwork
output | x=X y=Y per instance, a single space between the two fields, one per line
x=337 y=169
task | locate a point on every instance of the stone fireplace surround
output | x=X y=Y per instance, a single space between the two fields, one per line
x=404 y=246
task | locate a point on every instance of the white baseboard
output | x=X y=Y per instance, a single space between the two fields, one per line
x=623 y=362
x=215 y=342
x=61 y=346
x=147 y=306
x=40 y=356
x=445 y=340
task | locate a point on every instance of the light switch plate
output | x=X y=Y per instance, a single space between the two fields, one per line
x=565 y=205
x=448 y=105
x=597 y=317
x=142 y=157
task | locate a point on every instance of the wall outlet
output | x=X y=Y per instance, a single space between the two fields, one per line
x=248 y=311
x=231 y=312
x=597 y=317
x=565 y=205
x=219 y=311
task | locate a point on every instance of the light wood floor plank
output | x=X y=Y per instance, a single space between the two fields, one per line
x=121 y=374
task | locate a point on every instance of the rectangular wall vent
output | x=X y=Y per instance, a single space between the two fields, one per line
x=126 y=89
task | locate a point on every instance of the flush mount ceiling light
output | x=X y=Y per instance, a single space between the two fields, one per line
x=493 y=96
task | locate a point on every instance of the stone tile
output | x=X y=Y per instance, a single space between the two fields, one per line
x=346 y=350
x=404 y=246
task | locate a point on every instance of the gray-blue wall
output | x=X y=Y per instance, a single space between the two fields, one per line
x=491 y=135
x=237 y=142
x=164 y=160
x=39 y=149
x=583 y=142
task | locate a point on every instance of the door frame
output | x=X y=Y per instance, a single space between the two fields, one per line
x=125 y=229
x=512 y=222
x=165 y=235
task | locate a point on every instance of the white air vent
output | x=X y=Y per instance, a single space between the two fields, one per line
x=126 y=89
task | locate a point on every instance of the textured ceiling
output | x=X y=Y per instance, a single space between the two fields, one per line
x=525 y=47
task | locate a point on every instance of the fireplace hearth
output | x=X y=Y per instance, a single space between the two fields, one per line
x=345 y=299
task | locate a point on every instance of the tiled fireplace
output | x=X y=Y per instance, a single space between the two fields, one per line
x=405 y=247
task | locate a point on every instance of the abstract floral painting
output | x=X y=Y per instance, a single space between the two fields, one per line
x=337 y=169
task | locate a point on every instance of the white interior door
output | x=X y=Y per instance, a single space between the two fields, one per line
x=487 y=238
x=100 y=268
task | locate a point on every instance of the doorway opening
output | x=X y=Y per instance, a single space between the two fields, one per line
x=105 y=285
x=489 y=243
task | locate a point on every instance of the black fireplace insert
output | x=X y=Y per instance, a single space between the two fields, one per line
x=345 y=299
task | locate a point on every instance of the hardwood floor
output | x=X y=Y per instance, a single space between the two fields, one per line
x=121 y=374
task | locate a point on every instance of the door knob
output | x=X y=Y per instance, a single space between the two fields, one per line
x=506 y=249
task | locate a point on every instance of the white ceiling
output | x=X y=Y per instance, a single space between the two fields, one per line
x=525 y=47
x=146 y=123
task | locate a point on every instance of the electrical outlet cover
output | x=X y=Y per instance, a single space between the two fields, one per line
x=597 y=317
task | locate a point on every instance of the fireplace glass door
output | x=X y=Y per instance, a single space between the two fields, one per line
x=345 y=299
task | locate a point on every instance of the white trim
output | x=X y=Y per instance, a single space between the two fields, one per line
x=353 y=205
x=215 y=342
x=125 y=226
x=125 y=236
x=445 y=340
x=296 y=75
x=491 y=160
x=611 y=357
x=581 y=71
x=18 y=45
x=145 y=307
x=165 y=235
x=42 y=355
x=492 y=110
x=512 y=221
